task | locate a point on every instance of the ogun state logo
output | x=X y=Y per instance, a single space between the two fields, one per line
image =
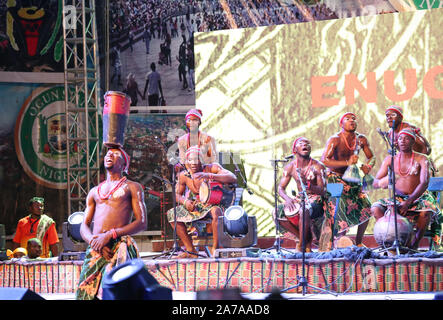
x=41 y=138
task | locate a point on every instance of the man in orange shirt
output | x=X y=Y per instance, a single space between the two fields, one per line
x=37 y=225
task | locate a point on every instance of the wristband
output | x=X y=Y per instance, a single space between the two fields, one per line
x=114 y=233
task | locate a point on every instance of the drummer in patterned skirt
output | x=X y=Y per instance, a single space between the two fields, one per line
x=340 y=153
x=312 y=173
x=190 y=208
x=411 y=181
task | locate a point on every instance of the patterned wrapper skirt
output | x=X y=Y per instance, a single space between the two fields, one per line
x=354 y=206
x=96 y=266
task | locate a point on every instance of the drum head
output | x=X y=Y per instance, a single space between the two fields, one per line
x=204 y=192
x=292 y=213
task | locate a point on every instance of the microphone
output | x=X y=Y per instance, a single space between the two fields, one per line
x=291 y=156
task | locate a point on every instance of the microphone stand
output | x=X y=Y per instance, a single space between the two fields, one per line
x=237 y=170
x=391 y=174
x=277 y=242
x=302 y=281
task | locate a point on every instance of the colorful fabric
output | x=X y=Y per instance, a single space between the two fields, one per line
x=197 y=218
x=43 y=229
x=261 y=275
x=426 y=202
x=43 y=226
x=95 y=267
x=354 y=207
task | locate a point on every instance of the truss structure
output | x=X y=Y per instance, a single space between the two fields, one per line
x=82 y=92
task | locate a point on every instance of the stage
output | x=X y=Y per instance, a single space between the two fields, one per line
x=344 y=277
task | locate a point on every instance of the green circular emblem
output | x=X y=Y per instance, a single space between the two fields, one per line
x=41 y=138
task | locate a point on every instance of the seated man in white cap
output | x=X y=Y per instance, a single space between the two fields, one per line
x=190 y=209
x=195 y=137
x=340 y=153
x=411 y=181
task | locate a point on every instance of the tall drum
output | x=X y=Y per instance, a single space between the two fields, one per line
x=115 y=118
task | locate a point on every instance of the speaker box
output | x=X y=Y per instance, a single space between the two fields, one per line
x=18 y=294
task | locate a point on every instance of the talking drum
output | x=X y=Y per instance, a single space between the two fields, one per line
x=115 y=118
x=212 y=192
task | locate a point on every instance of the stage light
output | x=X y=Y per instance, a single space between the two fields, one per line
x=74 y=246
x=74 y=222
x=236 y=229
x=132 y=281
x=236 y=221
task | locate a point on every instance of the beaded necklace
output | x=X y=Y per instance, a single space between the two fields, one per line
x=109 y=194
x=409 y=168
x=307 y=167
x=347 y=145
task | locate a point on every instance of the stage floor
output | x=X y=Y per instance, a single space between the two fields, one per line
x=347 y=278
x=177 y=295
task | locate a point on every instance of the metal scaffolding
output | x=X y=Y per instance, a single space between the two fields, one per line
x=82 y=92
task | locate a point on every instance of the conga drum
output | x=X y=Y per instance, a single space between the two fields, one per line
x=294 y=214
x=115 y=118
x=212 y=192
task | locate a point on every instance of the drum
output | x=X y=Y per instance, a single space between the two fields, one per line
x=384 y=229
x=212 y=192
x=293 y=215
x=115 y=117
